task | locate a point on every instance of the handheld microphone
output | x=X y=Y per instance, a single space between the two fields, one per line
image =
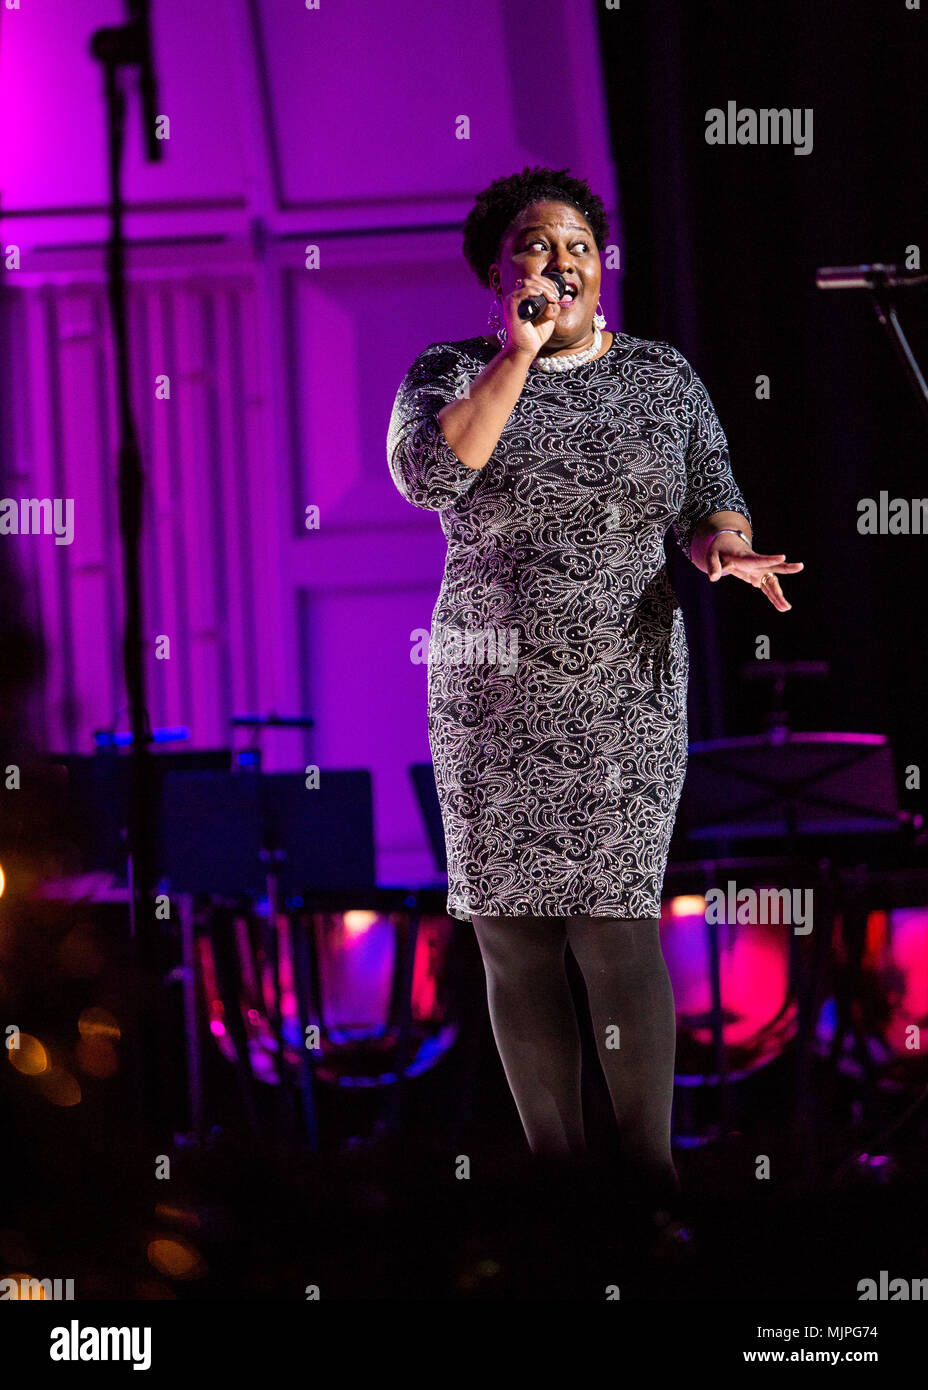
x=531 y=308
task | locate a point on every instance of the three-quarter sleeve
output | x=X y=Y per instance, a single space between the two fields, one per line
x=422 y=463
x=710 y=484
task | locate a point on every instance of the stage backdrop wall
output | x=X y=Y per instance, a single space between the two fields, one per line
x=337 y=128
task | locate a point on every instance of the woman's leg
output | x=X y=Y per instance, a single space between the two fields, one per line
x=535 y=1027
x=633 y=1015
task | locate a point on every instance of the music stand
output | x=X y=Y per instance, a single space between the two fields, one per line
x=210 y=834
x=95 y=798
x=321 y=837
x=240 y=834
x=422 y=776
x=795 y=784
x=784 y=785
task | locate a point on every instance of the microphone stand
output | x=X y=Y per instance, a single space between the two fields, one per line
x=117 y=48
x=885 y=308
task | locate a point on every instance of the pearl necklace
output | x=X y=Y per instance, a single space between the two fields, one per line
x=566 y=363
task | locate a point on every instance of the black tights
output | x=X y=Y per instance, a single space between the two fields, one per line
x=536 y=1032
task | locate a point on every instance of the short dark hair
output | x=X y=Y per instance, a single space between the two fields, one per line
x=499 y=204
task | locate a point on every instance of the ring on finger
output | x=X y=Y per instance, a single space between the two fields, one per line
x=764 y=580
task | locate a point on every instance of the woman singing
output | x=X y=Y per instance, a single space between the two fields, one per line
x=558 y=455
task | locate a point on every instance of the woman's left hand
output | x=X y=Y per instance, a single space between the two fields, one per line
x=758 y=570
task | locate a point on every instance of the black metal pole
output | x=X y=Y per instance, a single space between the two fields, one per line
x=117 y=48
x=130 y=488
x=886 y=313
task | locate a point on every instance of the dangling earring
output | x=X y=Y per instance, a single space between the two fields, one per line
x=494 y=321
x=599 y=318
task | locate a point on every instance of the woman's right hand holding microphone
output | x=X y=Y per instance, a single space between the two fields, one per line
x=530 y=335
x=472 y=425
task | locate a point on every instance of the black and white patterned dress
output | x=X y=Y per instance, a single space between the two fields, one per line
x=558 y=661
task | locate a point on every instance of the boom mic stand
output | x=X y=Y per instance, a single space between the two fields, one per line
x=116 y=49
x=880 y=280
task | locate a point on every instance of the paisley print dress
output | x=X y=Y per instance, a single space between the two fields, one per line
x=558 y=661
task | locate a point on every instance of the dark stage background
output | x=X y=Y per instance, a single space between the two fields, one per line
x=722 y=245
